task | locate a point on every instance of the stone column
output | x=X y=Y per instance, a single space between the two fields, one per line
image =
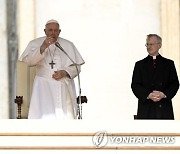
x=170 y=32
x=12 y=43
x=4 y=105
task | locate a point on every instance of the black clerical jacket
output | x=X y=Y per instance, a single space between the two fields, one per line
x=163 y=78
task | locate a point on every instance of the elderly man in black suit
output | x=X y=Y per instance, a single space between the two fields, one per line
x=154 y=82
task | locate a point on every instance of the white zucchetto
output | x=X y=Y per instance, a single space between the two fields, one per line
x=52 y=21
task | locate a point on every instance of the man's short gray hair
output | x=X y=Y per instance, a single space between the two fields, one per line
x=159 y=39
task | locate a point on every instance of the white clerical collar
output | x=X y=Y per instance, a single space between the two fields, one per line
x=154 y=57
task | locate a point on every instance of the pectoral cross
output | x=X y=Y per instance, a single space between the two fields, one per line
x=52 y=64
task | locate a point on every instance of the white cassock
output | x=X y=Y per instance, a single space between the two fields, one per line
x=53 y=99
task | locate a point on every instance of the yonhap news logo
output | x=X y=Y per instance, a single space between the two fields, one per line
x=102 y=138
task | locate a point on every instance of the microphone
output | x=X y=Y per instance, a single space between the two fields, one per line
x=61 y=48
x=79 y=97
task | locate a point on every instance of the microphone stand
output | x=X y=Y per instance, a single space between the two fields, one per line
x=79 y=104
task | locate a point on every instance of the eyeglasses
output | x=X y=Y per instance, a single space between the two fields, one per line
x=151 y=44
